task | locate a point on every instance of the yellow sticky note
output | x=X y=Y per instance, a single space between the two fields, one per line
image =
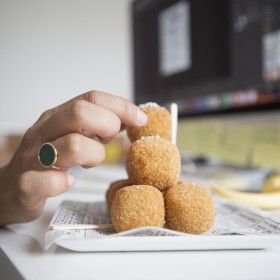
x=209 y=137
x=266 y=149
x=186 y=136
x=237 y=147
x=200 y=137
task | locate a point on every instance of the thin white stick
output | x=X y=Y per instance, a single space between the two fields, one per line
x=174 y=120
x=79 y=226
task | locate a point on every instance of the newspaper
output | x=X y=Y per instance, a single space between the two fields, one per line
x=88 y=220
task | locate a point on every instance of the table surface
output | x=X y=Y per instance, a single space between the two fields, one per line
x=23 y=257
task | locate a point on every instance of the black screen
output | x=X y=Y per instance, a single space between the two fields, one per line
x=225 y=43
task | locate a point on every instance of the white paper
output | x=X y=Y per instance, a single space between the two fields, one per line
x=271 y=56
x=174 y=39
x=232 y=218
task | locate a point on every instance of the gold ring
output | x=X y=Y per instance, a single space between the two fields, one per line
x=47 y=155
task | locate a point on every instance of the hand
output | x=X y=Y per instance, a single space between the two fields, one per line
x=78 y=129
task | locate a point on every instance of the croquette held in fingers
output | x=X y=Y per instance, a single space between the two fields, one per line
x=153 y=161
x=159 y=123
x=137 y=206
x=189 y=208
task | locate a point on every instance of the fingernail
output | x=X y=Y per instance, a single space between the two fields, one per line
x=141 y=117
x=71 y=179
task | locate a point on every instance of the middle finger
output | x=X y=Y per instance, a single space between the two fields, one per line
x=75 y=149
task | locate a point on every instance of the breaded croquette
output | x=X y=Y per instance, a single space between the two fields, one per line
x=153 y=161
x=189 y=208
x=159 y=123
x=137 y=206
x=113 y=188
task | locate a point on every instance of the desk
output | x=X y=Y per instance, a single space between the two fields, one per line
x=22 y=257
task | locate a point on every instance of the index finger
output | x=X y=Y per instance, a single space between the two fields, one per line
x=127 y=112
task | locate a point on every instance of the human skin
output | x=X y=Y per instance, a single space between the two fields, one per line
x=78 y=129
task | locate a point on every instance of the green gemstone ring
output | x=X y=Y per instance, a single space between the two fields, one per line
x=47 y=155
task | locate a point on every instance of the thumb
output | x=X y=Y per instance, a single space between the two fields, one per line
x=44 y=184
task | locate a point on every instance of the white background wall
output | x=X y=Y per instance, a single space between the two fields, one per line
x=52 y=50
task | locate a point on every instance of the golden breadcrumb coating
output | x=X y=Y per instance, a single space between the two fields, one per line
x=113 y=188
x=158 y=123
x=189 y=208
x=153 y=161
x=137 y=206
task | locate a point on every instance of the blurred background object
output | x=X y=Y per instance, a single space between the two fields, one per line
x=53 y=50
x=272 y=183
x=8 y=145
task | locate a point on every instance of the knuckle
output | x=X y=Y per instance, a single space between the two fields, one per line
x=91 y=96
x=98 y=98
x=45 y=115
x=24 y=185
x=114 y=126
x=29 y=136
x=77 y=110
x=73 y=144
x=128 y=108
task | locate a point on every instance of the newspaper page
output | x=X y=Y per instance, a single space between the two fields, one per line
x=87 y=220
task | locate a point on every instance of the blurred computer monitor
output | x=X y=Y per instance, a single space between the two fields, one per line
x=211 y=57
